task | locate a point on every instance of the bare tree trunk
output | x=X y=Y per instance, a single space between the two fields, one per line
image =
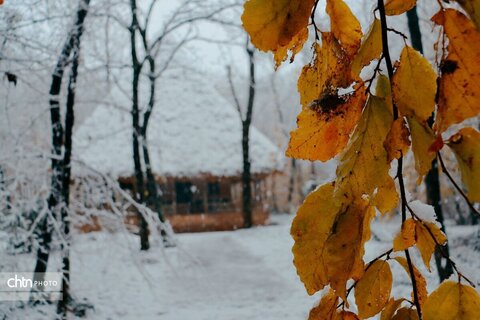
x=58 y=164
x=246 y=123
x=136 y=136
x=291 y=183
x=432 y=181
x=69 y=122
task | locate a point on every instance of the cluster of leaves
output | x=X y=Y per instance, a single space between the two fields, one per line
x=411 y=107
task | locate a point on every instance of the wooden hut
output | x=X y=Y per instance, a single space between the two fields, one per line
x=196 y=156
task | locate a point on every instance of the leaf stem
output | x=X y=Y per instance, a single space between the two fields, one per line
x=388 y=62
x=455 y=184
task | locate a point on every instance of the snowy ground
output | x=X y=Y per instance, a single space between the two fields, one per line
x=245 y=274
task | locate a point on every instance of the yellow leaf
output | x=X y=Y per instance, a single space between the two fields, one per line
x=406 y=314
x=272 y=24
x=345 y=26
x=326 y=309
x=466 y=146
x=329 y=70
x=370 y=49
x=406 y=238
x=344 y=248
x=452 y=301
x=324 y=128
x=414 y=72
x=423 y=140
x=420 y=281
x=310 y=229
x=384 y=90
x=425 y=243
x=473 y=9
x=396 y=7
x=397 y=142
x=459 y=87
x=294 y=47
x=390 y=308
x=373 y=289
x=363 y=165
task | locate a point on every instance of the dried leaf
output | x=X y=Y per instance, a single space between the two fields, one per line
x=473 y=9
x=273 y=24
x=390 y=308
x=344 y=248
x=459 y=88
x=324 y=129
x=420 y=281
x=310 y=229
x=373 y=289
x=396 y=7
x=414 y=72
x=346 y=315
x=423 y=142
x=452 y=301
x=406 y=238
x=397 y=142
x=425 y=243
x=294 y=47
x=466 y=146
x=406 y=314
x=326 y=309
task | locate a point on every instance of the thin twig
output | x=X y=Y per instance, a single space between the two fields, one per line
x=447 y=173
x=312 y=17
x=440 y=247
x=388 y=62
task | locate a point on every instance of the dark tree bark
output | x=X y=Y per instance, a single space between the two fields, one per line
x=69 y=122
x=136 y=136
x=153 y=200
x=291 y=184
x=432 y=180
x=56 y=200
x=246 y=123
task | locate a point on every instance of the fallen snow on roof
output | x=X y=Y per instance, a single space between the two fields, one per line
x=193 y=131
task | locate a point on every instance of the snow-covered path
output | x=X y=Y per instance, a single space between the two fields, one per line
x=244 y=274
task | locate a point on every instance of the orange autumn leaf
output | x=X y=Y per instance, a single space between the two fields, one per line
x=414 y=72
x=459 y=88
x=406 y=314
x=466 y=146
x=345 y=26
x=390 y=308
x=325 y=127
x=397 y=142
x=472 y=7
x=310 y=230
x=326 y=309
x=346 y=315
x=452 y=301
x=406 y=237
x=272 y=24
x=396 y=7
x=421 y=283
x=294 y=47
x=370 y=49
x=373 y=289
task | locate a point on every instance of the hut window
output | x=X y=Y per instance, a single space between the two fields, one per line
x=184 y=192
x=213 y=191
